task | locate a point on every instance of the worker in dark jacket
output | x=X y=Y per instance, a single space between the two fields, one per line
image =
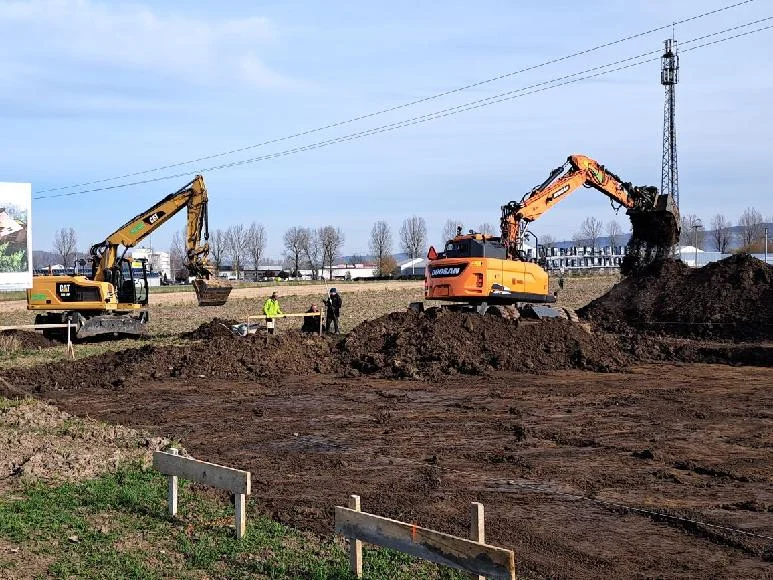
x=312 y=323
x=333 y=303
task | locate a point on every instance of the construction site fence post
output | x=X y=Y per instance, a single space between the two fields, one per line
x=473 y=556
x=355 y=545
x=172 y=493
x=236 y=481
x=477 y=529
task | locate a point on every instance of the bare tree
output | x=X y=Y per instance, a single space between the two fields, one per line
x=381 y=246
x=450 y=228
x=217 y=249
x=752 y=226
x=66 y=245
x=720 y=233
x=590 y=231
x=295 y=241
x=332 y=241
x=413 y=237
x=614 y=231
x=547 y=241
x=236 y=244
x=256 y=244
x=312 y=249
x=693 y=232
x=487 y=229
x=177 y=256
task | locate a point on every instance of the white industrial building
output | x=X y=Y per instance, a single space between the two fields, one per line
x=159 y=263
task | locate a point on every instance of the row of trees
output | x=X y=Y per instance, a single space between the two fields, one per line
x=239 y=244
x=750 y=232
x=314 y=249
x=592 y=229
x=320 y=248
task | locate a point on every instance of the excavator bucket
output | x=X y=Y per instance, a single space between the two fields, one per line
x=211 y=292
x=655 y=233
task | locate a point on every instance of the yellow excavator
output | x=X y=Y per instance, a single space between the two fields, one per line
x=492 y=275
x=114 y=299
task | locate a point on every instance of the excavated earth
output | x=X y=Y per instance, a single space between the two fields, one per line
x=560 y=432
x=729 y=299
x=28 y=340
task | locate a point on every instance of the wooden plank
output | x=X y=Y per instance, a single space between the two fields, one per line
x=355 y=546
x=234 y=480
x=477 y=529
x=291 y=315
x=451 y=551
x=32 y=326
x=240 y=502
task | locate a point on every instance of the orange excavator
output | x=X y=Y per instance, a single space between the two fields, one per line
x=493 y=275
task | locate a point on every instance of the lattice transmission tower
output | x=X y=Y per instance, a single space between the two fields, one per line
x=669 y=76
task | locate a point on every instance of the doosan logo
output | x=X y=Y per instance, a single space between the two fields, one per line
x=447 y=271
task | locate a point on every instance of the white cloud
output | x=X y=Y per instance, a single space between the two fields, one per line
x=137 y=39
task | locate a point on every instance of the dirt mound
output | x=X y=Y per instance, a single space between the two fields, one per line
x=440 y=343
x=40 y=442
x=732 y=298
x=251 y=357
x=26 y=339
x=212 y=329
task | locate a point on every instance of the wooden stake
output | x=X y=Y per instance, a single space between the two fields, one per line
x=240 y=500
x=172 y=479
x=355 y=546
x=477 y=529
x=320 y=323
x=70 y=349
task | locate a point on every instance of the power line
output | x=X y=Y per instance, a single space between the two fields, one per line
x=502 y=97
x=404 y=105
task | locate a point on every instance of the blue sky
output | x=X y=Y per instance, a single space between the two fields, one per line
x=92 y=89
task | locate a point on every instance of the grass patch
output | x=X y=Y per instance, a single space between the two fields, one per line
x=9 y=345
x=13 y=295
x=116 y=526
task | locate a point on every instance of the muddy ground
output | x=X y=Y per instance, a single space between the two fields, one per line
x=689 y=440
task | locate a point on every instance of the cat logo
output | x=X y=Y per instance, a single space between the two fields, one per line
x=154 y=217
x=63 y=290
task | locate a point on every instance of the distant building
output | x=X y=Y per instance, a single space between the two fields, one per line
x=159 y=263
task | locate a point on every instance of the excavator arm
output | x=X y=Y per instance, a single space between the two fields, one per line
x=577 y=171
x=192 y=196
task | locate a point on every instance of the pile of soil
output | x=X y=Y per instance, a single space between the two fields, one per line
x=217 y=327
x=729 y=299
x=28 y=339
x=251 y=358
x=439 y=343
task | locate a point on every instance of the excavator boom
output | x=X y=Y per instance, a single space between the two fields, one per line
x=654 y=217
x=193 y=196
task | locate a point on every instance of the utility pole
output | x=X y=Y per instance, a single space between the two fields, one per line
x=669 y=76
x=695 y=227
x=766 y=244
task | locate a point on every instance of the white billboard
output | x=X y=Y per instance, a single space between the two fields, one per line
x=15 y=236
